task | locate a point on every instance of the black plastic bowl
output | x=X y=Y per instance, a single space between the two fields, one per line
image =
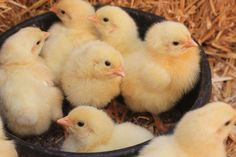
x=196 y=98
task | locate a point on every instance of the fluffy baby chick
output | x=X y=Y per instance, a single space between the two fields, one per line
x=7 y=148
x=160 y=75
x=92 y=130
x=200 y=133
x=92 y=74
x=117 y=28
x=29 y=99
x=74 y=30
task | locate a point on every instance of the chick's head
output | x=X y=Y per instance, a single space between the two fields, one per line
x=100 y=60
x=22 y=46
x=169 y=38
x=88 y=125
x=111 y=19
x=212 y=122
x=73 y=12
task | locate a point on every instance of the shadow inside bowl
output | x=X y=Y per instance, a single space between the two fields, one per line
x=196 y=98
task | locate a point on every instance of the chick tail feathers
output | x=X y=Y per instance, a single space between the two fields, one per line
x=26 y=115
x=22 y=112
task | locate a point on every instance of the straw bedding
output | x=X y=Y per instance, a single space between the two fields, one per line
x=212 y=23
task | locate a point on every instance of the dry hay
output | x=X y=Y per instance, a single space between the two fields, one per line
x=212 y=23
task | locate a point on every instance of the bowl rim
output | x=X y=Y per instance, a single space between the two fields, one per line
x=202 y=98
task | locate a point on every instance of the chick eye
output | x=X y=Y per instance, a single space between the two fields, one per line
x=38 y=42
x=107 y=63
x=63 y=12
x=80 y=124
x=176 y=43
x=105 y=19
x=227 y=123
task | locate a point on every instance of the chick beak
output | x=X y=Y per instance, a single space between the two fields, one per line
x=65 y=122
x=94 y=19
x=190 y=43
x=53 y=9
x=119 y=72
x=46 y=34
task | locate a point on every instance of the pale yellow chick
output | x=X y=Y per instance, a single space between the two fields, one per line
x=7 y=147
x=74 y=30
x=29 y=99
x=92 y=74
x=159 y=76
x=92 y=130
x=200 y=133
x=117 y=28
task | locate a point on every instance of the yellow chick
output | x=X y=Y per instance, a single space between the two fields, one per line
x=92 y=74
x=74 y=30
x=7 y=147
x=29 y=99
x=200 y=133
x=92 y=130
x=159 y=76
x=117 y=28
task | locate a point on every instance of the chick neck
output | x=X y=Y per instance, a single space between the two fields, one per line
x=171 y=61
x=81 y=25
x=81 y=144
x=124 y=42
x=178 y=66
x=88 y=143
x=89 y=75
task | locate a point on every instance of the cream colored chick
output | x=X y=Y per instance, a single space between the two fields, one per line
x=200 y=133
x=74 y=30
x=29 y=99
x=117 y=28
x=7 y=147
x=92 y=75
x=159 y=76
x=92 y=130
